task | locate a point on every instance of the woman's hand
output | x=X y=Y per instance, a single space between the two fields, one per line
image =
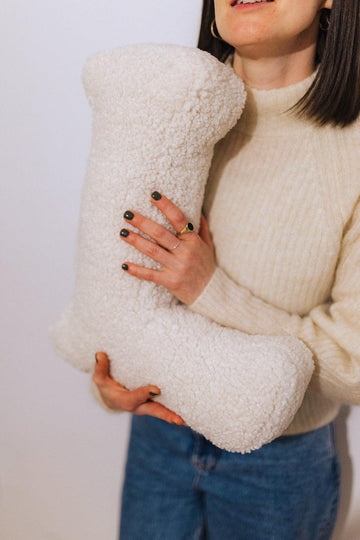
x=139 y=401
x=188 y=260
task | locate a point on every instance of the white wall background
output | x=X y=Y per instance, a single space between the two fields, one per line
x=61 y=455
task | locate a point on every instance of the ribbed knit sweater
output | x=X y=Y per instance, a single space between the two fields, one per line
x=283 y=205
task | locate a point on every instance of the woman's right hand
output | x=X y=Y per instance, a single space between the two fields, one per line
x=138 y=401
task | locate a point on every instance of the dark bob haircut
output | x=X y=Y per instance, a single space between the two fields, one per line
x=334 y=96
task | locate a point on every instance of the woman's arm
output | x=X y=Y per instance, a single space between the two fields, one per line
x=330 y=330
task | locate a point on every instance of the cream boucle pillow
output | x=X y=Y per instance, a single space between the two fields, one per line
x=158 y=111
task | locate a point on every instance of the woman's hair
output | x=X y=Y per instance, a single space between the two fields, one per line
x=334 y=96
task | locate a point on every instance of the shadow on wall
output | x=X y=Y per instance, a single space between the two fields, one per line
x=342 y=446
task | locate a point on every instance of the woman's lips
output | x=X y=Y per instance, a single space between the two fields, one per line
x=234 y=3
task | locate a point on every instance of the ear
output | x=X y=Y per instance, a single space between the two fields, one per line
x=327 y=4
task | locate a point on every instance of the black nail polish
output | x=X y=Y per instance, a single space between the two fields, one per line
x=124 y=233
x=125 y=267
x=128 y=215
x=156 y=196
x=153 y=394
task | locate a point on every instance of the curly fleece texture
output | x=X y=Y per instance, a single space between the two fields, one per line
x=158 y=111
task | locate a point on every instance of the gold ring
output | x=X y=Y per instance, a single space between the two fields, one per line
x=189 y=227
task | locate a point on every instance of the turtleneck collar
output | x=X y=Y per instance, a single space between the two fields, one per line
x=267 y=112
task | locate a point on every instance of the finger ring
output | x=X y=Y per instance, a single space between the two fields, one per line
x=188 y=228
x=177 y=245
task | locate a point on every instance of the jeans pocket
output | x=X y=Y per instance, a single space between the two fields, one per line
x=329 y=519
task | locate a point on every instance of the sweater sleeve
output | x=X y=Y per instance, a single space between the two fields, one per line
x=330 y=330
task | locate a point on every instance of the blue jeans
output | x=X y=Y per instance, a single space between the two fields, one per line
x=179 y=486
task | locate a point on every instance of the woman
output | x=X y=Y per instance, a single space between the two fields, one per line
x=283 y=208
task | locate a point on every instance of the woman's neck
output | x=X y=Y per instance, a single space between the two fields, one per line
x=266 y=73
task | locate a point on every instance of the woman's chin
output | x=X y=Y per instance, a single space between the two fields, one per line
x=246 y=34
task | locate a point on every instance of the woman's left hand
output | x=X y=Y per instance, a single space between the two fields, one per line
x=188 y=260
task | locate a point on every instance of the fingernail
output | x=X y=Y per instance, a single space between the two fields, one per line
x=128 y=215
x=154 y=394
x=96 y=360
x=156 y=196
x=125 y=267
x=124 y=233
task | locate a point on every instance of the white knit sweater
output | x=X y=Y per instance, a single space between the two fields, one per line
x=283 y=203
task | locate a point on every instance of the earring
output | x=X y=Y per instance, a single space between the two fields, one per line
x=214 y=33
x=324 y=22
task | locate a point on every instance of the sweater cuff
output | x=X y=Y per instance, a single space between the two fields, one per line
x=227 y=303
x=213 y=301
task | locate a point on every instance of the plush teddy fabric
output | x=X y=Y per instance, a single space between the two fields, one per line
x=158 y=111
